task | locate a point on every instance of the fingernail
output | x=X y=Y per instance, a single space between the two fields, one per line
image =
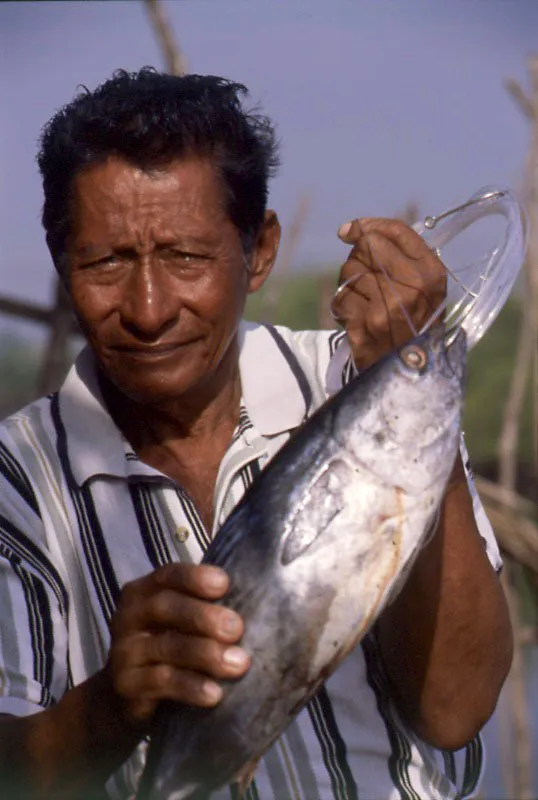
x=216 y=578
x=230 y=623
x=344 y=229
x=212 y=691
x=235 y=657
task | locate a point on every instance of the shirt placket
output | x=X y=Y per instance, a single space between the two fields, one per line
x=248 y=448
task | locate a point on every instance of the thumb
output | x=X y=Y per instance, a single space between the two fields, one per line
x=351 y=232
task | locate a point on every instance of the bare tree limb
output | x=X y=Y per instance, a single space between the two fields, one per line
x=33 y=312
x=520 y=780
x=502 y=497
x=520 y=98
x=56 y=359
x=174 y=59
x=508 y=441
x=24 y=310
x=518 y=737
x=517 y=536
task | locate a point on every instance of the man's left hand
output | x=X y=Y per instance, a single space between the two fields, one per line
x=401 y=279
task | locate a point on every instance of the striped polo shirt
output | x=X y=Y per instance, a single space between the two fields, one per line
x=80 y=515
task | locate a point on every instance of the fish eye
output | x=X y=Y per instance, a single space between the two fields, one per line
x=413 y=356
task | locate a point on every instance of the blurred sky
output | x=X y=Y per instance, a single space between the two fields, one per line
x=377 y=102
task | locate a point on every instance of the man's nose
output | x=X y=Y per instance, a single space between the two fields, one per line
x=150 y=305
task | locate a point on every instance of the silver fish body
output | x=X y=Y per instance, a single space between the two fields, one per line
x=315 y=550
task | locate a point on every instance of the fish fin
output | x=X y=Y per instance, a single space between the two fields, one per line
x=244 y=777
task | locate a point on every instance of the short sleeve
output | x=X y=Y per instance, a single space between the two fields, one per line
x=341 y=368
x=33 y=601
x=482 y=522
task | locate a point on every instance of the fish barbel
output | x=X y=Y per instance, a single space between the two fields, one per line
x=315 y=550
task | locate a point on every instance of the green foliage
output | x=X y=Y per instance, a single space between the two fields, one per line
x=294 y=302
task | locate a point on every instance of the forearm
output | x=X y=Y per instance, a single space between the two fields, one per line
x=446 y=640
x=66 y=751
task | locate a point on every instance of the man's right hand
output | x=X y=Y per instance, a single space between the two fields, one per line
x=170 y=641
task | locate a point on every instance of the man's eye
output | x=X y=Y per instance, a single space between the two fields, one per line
x=183 y=257
x=106 y=261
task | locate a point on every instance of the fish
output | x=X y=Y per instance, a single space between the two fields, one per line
x=319 y=545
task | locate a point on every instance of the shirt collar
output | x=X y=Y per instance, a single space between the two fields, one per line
x=95 y=446
x=275 y=394
x=275 y=391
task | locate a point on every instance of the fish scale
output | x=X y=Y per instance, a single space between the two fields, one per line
x=318 y=546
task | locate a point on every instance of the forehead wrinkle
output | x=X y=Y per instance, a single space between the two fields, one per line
x=140 y=206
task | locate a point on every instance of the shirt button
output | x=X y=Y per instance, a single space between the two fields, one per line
x=182 y=534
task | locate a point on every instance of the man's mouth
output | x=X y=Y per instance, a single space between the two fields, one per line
x=154 y=351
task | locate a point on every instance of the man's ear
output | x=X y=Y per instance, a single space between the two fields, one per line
x=264 y=252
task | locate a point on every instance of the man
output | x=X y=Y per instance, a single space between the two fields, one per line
x=155 y=215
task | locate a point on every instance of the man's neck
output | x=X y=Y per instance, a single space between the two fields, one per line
x=195 y=417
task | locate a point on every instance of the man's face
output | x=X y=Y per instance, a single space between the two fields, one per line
x=157 y=275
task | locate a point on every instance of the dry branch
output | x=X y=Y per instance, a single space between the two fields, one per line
x=33 y=312
x=514 y=521
x=493 y=493
x=24 y=310
x=517 y=536
x=520 y=98
x=519 y=779
x=173 y=57
x=56 y=359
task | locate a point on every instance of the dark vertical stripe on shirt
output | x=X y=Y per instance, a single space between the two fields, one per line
x=400 y=757
x=93 y=542
x=334 y=341
x=202 y=536
x=151 y=531
x=450 y=766
x=16 y=543
x=348 y=372
x=43 y=609
x=13 y=472
x=40 y=625
x=473 y=763
x=249 y=472
x=294 y=365
x=333 y=746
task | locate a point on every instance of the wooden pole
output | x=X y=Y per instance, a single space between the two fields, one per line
x=174 y=59
x=56 y=359
x=519 y=781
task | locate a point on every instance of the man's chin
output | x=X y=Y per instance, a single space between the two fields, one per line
x=150 y=393
x=146 y=386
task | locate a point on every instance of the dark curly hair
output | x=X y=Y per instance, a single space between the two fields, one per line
x=149 y=119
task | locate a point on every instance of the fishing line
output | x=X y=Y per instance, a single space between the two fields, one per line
x=357 y=277
x=477 y=289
